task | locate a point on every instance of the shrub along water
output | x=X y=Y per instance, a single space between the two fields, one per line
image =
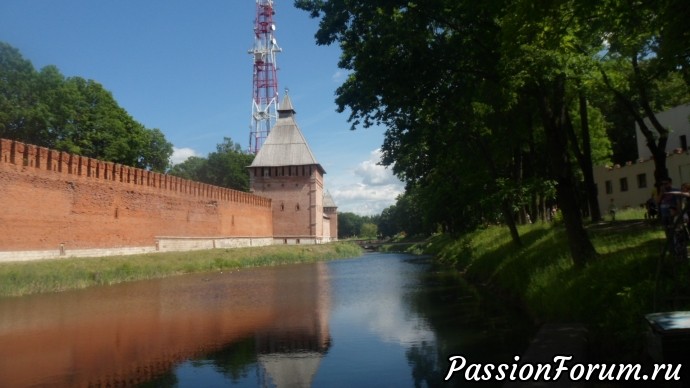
x=23 y=278
x=610 y=295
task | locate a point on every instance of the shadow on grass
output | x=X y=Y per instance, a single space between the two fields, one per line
x=611 y=294
x=511 y=266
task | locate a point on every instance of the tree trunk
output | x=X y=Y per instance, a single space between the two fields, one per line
x=587 y=168
x=656 y=146
x=510 y=221
x=584 y=157
x=553 y=111
x=506 y=207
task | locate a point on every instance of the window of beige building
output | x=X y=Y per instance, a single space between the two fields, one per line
x=624 y=184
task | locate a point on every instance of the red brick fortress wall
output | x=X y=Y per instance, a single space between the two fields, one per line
x=50 y=198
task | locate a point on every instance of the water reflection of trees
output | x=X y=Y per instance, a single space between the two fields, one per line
x=238 y=359
x=425 y=367
x=466 y=321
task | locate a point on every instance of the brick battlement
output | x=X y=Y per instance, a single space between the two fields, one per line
x=29 y=156
x=65 y=204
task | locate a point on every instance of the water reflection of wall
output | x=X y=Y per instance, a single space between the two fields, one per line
x=130 y=333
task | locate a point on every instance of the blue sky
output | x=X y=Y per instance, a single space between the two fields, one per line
x=183 y=67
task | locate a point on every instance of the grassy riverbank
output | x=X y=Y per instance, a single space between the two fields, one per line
x=611 y=295
x=23 y=278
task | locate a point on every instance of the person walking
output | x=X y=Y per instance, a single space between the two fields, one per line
x=612 y=210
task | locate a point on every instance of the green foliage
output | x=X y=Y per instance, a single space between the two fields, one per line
x=226 y=167
x=368 y=230
x=353 y=225
x=610 y=295
x=73 y=115
x=431 y=123
x=601 y=145
x=405 y=216
x=189 y=169
x=349 y=225
x=499 y=97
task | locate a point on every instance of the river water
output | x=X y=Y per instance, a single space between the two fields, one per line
x=376 y=320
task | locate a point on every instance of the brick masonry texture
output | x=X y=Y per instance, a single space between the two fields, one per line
x=297 y=195
x=52 y=199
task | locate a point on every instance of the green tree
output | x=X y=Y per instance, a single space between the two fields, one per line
x=21 y=116
x=387 y=225
x=192 y=168
x=226 y=167
x=640 y=59
x=407 y=215
x=368 y=230
x=673 y=50
x=157 y=151
x=433 y=118
x=477 y=67
x=73 y=115
x=349 y=225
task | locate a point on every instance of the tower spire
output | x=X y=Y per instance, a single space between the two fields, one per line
x=265 y=80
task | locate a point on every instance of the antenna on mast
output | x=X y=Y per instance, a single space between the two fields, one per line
x=265 y=79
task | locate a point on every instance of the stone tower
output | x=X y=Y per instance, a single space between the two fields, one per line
x=286 y=171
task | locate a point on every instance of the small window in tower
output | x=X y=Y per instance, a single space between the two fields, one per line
x=282 y=206
x=297 y=207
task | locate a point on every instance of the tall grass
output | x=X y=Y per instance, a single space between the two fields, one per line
x=611 y=294
x=23 y=278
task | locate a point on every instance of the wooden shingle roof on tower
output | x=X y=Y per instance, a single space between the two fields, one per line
x=328 y=200
x=285 y=144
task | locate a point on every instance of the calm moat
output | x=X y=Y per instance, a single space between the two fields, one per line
x=375 y=320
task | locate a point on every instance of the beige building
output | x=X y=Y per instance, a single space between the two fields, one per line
x=632 y=184
x=286 y=171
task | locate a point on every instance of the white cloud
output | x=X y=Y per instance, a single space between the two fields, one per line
x=365 y=200
x=374 y=174
x=181 y=154
x=369 y=190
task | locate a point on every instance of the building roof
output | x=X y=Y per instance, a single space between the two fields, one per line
x=328 y=200
x=285 y=144
x=285 y=107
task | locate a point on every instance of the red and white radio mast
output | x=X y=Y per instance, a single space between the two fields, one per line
x=265 y=91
